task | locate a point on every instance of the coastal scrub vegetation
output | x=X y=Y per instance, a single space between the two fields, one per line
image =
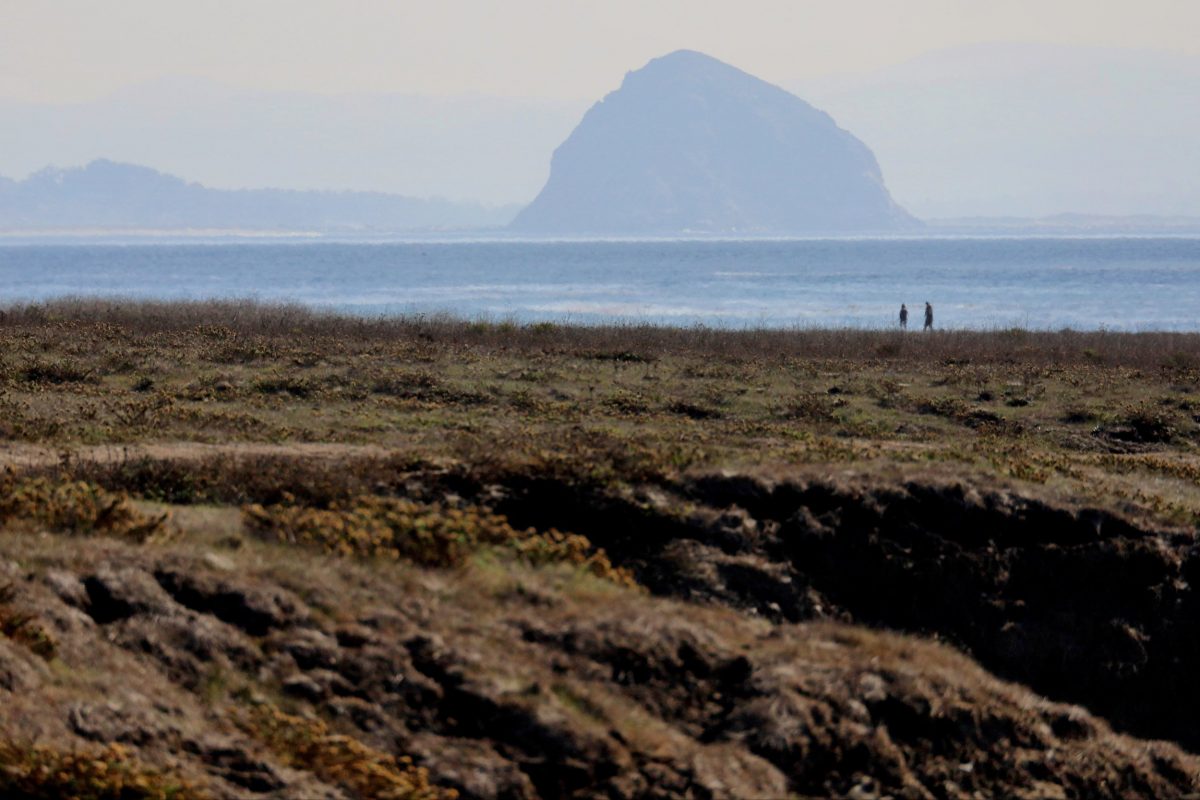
x=75 y=507
x=41 y=772
x=270 y=550
x=343 y=761
x=213 y=401
x=426 y=534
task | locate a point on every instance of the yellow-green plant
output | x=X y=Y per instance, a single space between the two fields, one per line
x=308 y=744
x=75 y=507
x=427 y=534
x=40 y=772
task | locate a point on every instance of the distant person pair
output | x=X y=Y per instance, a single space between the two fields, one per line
x=928 y=316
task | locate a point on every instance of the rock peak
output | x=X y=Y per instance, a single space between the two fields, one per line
x=690 y=144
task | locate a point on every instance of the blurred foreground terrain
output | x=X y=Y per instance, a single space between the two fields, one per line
x=254 y=551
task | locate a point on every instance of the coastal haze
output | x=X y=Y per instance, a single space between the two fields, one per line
x=1019 y=110
x=977 y=130
x=1029 y=129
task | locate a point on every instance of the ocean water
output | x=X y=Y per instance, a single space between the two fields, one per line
x=1081 y=283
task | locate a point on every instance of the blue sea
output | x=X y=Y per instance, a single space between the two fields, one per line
x=1046 y=283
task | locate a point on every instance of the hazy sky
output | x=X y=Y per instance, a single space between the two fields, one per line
x=72 y=50
x=1084 y=105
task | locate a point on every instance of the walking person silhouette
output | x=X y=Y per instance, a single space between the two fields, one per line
x=903 y=316
x=928 y=316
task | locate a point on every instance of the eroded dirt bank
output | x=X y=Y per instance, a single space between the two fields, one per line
x=1079 y=604
x=506 y=682
x=778 y=644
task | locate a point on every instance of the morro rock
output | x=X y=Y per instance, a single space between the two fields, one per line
x=689 y=144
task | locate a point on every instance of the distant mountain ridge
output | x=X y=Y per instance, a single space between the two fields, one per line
x=475 y=148
x=689 y=144
x=110 y=195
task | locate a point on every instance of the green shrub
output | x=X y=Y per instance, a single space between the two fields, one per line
x=74 y=507
x=425 y=534
x=38 y=772
x=56 y=372
x=365 y=772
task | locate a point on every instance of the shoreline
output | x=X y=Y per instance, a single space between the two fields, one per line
x=253 y=317
x=100 y=237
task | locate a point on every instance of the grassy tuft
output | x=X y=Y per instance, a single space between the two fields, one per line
x=23 y=627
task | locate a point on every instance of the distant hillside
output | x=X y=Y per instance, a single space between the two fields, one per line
x=1029 y=130
x=689 y=144
x=494 y=150
x=105 y=194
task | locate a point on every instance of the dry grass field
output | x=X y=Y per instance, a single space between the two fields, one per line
x=260 y=551
x=1097 y=417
